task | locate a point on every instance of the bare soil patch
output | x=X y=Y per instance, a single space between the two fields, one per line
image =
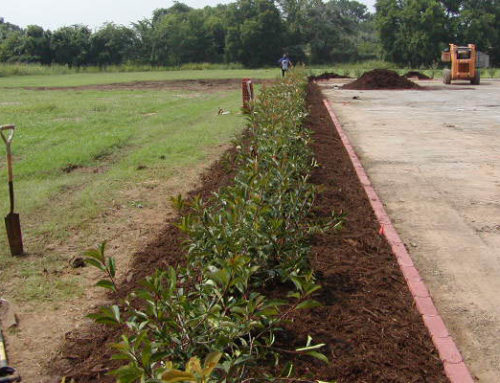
x=214 y=85
x=381 y=79
x=368 y=321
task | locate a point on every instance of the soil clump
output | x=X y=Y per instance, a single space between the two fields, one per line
x=326 y=76
x=381 y=79
x=416 y=74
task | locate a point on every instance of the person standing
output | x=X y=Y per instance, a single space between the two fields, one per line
x=285 y=64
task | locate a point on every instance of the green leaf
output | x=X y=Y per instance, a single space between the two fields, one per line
x=194 y=365
x=312 y=289
x=128 y=374
x=112 y=266
x=157 y=356
x=105 y=284
x=211 y=361
x=294 y=294
x=102 y=248
x=178 y=376
x=96 y=254
x=269 y=311
x=287 y=371
x=95 y=263
x=308 y=304
x=116 y=312
x=313 y=347
x=222 y=276
x=318 y=355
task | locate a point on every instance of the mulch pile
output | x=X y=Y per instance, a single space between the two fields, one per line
x=415 y=74
x=381 y=79
x=326 y=76
x=368 y=321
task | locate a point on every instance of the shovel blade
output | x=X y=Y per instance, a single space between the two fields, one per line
x=13 y=225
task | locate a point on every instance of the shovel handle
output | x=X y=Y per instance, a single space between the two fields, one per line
x=8 y=139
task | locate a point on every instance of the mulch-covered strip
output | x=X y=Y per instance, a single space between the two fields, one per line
x=368 y=320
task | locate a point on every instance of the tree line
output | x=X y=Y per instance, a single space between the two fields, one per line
x=413 y=32
x=251 y=32
x=256 y=32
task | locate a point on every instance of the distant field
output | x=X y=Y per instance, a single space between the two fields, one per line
x=30 y=75
x=78 y=79
x=79 y=153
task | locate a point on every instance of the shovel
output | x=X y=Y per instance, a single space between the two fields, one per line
x=7 y=374
x=12 y=221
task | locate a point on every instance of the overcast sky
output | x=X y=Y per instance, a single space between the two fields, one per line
x=52 y=14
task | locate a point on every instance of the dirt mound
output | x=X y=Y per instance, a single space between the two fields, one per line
x=381 y=79
x=415 y=74
x=326 y=76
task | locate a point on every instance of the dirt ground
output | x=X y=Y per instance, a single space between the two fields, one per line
x=434 y=158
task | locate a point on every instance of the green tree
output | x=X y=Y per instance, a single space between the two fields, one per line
x=36 y=45
x=356 y=31
x=112 y=45
x=11 y=40
x=255 y=33
x=71 y=45
x=479 y=23
x=7 y=28
x=412 y=32
x=295 y=16
x=11 y=47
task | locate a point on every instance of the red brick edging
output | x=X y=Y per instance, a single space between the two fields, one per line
x=454 y=365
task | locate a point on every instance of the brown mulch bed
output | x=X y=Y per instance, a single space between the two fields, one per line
x=381 y=79
x=368 y=321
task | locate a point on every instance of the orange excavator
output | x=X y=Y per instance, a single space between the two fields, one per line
x=464 y=64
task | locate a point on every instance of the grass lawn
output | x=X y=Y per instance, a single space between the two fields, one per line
x=75 y=152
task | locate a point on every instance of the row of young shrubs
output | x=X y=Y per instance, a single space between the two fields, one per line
x=247 y=237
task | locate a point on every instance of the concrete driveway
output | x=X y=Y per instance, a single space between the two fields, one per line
x=434 y=159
